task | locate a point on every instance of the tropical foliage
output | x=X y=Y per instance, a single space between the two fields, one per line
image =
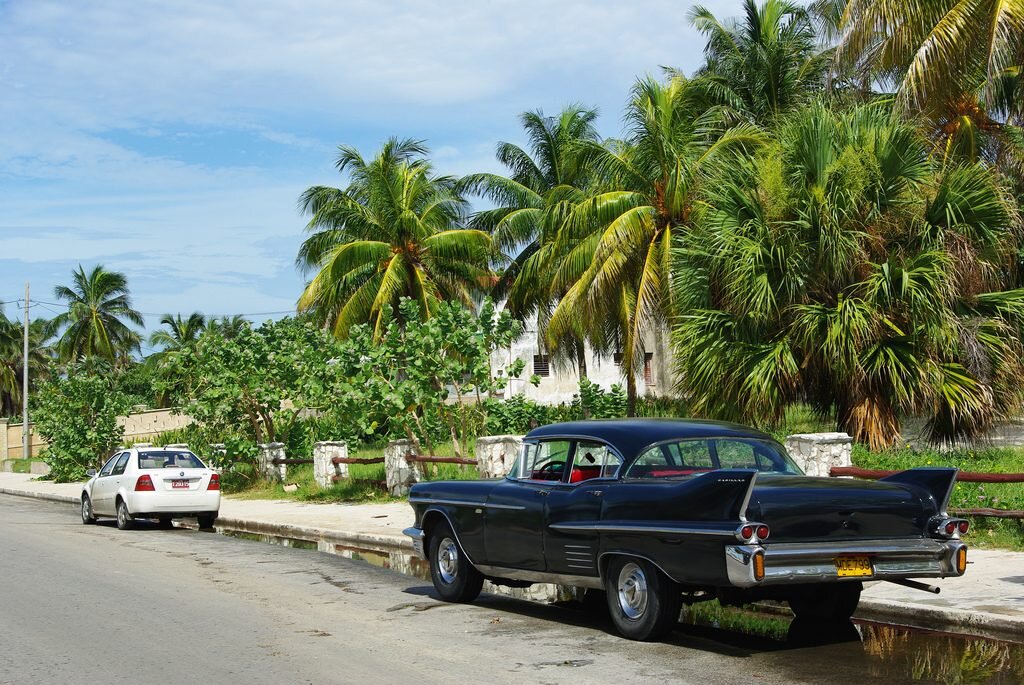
x=841 y=265
x=94 y=325
x=397 y=230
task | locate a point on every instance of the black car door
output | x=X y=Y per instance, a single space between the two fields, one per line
x=571 y=546
x=517 y=506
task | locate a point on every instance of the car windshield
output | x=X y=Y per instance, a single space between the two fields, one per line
x=169 y=460
x=684 y=458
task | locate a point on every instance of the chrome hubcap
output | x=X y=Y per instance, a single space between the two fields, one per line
x=632 y=591
x=122 y=514
x=86 y=510
x=448 y=560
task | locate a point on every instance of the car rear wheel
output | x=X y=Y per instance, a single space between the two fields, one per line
x=125 y=520
x=206 y=521
x=826 y=602
x=644 y=603
x=87 y=516
x=454 y=578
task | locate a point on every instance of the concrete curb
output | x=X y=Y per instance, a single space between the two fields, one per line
x=980 y=624
x=51 y=496
x=977 y=623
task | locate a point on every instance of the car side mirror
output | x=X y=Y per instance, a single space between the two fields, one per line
x=91 y=472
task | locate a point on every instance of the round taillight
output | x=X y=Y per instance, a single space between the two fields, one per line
x=951 y=528
x=964 y=527
x=763 y=532
x=747 y=532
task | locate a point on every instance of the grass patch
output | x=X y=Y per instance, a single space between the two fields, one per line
x=985 y=531
x=738 y=619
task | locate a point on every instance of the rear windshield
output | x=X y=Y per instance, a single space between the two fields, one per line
x=169 y=460
x=688 y=457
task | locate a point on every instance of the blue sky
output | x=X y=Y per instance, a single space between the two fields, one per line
x=171 y=140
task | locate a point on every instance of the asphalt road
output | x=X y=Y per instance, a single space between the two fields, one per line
x=93 y=604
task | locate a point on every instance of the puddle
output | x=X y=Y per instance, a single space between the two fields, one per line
x=879 y=651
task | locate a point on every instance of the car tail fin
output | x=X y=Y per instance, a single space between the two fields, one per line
x=937 y=481
x=729 y=488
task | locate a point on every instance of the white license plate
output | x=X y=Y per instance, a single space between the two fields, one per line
x=179 y=484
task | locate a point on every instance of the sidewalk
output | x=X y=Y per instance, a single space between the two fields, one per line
x=988 y=601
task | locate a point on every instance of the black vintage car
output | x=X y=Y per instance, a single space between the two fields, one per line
x=657 y=512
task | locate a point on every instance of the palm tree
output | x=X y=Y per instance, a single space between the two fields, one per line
x=227 y=326
x=180 y=332
x=617 y=243
x=543 y=186
x=12 y=359
x=765 y=63
x=932 y=49
x=845 y=267
x=395 y=231
x=93 y=326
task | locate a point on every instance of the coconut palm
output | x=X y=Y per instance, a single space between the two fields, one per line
x=843 y=266
x=94 y=325
x=616 y=244
x=397 y=230
x=532 y=202
x=12 y=359
x=936 y=51
x=227 y=326
x=764 y=63
x=180 y=332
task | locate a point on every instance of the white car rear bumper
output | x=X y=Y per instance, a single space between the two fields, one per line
x=183 y=503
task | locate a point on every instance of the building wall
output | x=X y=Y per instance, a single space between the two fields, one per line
x=138 y=427
x=563 y=379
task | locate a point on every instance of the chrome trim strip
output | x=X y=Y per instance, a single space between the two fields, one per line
x=541 y=576
x=746 y=497
x=612 y=527
x=464 y=503
x=620 y=553
x=418 y=538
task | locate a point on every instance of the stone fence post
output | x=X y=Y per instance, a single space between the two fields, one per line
x=3 y=438
x=817 y=453
x=324 y=469
x=399 y=473
x=268 y=452
x=495 y=454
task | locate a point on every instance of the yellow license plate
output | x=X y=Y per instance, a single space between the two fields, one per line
x=847 y=567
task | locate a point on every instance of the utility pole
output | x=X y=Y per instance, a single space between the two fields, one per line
x=24 y=388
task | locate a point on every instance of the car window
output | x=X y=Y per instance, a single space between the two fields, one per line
x=546 y=461
x=121 y=463
x=169 y=460
x=733 y=454
x=109 y=466
x=593 y=460
x=687 y=457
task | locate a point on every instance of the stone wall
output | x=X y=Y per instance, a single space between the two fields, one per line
x=496 y=454
x=324 y=470
x=399 y=473
x=138 y=427
x=817 y=453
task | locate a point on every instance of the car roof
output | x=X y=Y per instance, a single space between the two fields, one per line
x=629 y=436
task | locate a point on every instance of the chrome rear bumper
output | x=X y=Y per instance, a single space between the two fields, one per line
x=793 y=563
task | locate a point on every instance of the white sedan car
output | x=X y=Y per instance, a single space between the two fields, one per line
x=152 y=482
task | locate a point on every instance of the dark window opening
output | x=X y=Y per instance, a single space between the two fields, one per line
x=541 y=365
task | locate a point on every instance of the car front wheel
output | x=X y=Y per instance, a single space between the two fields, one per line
x=87 y=516
x=644 y=603
x=125 y=520
x=832 y=603
x=454 y=578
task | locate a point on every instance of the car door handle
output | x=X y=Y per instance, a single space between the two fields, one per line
x=542 y=493
x=595 y=493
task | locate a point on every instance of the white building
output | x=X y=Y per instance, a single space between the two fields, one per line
x=560 y=381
